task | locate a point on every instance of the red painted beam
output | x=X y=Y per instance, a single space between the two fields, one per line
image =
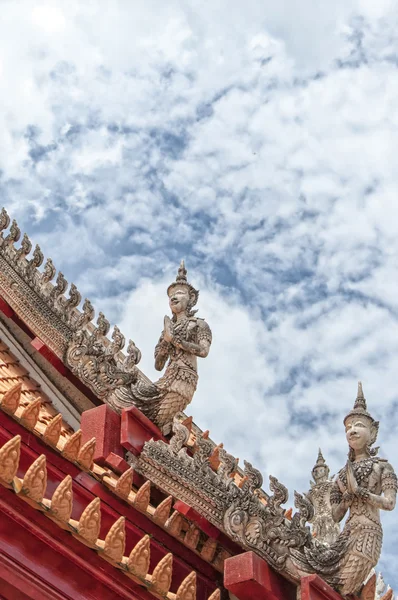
x=49 y=355
x=194 y=516
x=55 y=560
x=249 y=577
x=314 y=588
x=85 y=488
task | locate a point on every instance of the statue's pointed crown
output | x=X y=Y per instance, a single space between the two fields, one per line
x=181 y=279
x=360 y=407
x=320 y=462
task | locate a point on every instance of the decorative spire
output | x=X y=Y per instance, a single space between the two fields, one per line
x=320 y=461
x=182 y=273
x=360 y=407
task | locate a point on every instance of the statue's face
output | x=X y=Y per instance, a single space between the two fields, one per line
x=358 y=432
x=320 y=474
x=178 y=299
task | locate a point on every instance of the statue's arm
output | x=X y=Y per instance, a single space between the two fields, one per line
x=161 y=353
x=386 y=500
x=202 y=347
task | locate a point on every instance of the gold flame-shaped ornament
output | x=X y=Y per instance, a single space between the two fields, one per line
x=124 y=483
x=62 y=500
x=143 y=497
x=161 y=576
x=187 y=589
x=140 y=556
x=162 y=511
x=9 y=459
x=11 y=399
x=30 y=414
x=115 y=541
x=86 y=454
x=72 y=446
x=52 y=432
x=90 y=522
x=35 y=480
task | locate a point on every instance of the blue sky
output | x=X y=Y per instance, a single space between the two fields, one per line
x=257 y=141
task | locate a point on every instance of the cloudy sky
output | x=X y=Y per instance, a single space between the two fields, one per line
x=259 y=141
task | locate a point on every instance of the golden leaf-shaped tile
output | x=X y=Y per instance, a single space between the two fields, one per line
x=86 y=454
x=53 y=431
x=11 y=399
x=162 y=511
x=143 y=497
x=9 y=459
x=90 y=521
x=209 y=548
x=192 y=536
x=115 y=541
x=140 y=556
x=124 y=483
x=216 y=595
x=30 y=414
x=35 y=481
x=62 y=500
x=72 y=446
x=161 y=576
x=174 y=523
x=187 y=589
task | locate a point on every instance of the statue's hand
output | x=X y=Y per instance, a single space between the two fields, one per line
x=168 y=333
x=352 y=484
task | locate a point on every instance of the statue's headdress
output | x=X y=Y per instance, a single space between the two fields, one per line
x=181 y=279
x=320 y=462
x=360 y=409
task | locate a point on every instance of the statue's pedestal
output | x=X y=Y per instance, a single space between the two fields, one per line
x=314 y=588
x=249 y=577
x=116 y=433
x=136 y=429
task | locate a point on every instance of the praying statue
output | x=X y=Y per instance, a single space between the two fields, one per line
x=184 y=338
x=364 y=486
x=324 y=528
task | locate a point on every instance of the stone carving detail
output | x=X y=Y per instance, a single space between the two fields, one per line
x=364 y=486
x=184 y=338
x=324 y=528
x=162 y=511
x=143 y=497
x=241 y=512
